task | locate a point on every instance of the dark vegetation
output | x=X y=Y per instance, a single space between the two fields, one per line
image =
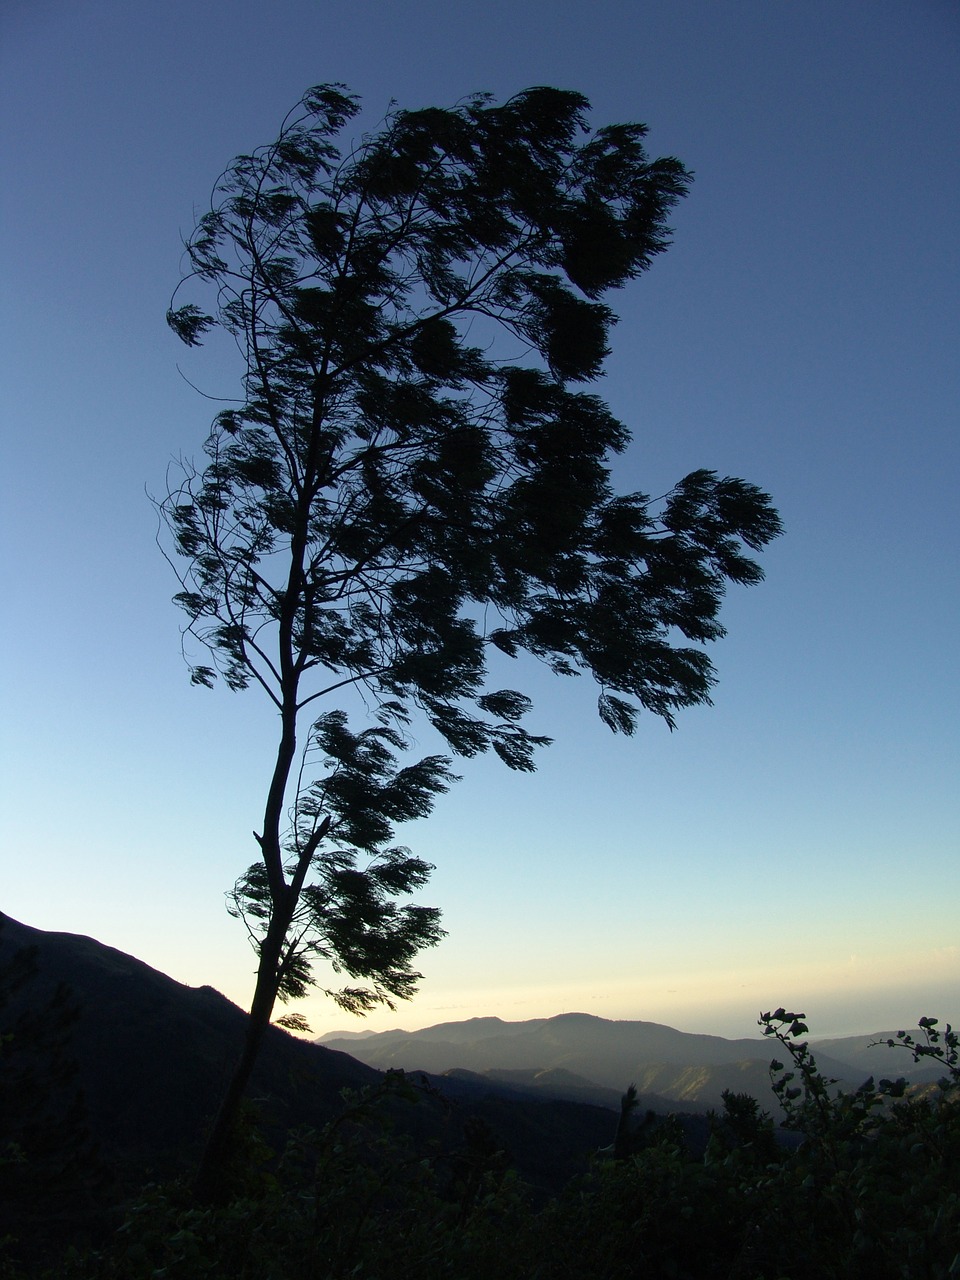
x=413 y=480
x=404 y=1177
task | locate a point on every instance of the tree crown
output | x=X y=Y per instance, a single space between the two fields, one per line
x=416 y=471
x=413 y=474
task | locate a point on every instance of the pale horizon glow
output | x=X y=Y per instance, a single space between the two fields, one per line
x=795 y=843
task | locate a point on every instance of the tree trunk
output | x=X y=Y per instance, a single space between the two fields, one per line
x=211 y=1183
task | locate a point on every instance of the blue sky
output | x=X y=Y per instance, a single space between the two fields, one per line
x=798 y=842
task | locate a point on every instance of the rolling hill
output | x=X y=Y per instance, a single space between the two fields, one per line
x=574 y=1053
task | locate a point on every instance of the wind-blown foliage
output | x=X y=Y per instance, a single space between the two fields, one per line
x=416 y=474
x=348 y=916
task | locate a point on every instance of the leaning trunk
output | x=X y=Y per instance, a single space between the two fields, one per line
x=213 y=1175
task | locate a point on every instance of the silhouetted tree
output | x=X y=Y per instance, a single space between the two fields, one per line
x=628 y=1105
x=415 y=474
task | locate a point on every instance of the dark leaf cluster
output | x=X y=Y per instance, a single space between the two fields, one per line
x=351 y=875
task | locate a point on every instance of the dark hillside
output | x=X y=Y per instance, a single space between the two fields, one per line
x=151 y=1054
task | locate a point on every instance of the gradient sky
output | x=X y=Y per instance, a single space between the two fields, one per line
x=797 y=842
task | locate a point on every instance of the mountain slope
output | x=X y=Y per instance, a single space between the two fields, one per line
x=152 y=1055
x=686 y=1070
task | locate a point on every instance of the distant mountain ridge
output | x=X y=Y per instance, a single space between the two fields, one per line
x=581 y=1056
